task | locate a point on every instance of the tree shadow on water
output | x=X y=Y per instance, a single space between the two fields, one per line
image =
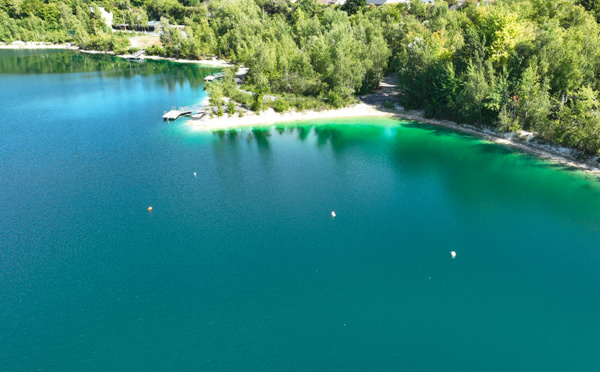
x=303 y=132
x=261 y=137
x=437 y=130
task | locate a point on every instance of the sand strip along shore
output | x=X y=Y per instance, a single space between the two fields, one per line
x=550 y=152
x=269 y=117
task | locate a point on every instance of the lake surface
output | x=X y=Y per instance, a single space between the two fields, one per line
x=242 y=267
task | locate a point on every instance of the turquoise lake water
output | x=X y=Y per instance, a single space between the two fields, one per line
x=242 y=267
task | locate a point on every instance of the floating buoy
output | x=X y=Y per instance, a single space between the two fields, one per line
x=332 y=214
x=149 y=209
x=194 y=174
x=453 y=254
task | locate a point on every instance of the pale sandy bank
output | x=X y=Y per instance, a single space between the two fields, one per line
x=271 y=117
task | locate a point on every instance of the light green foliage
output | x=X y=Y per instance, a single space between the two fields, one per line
x=230 y=108
x=35 y=20
x=580 y=119
x=215 y=93
x=503 y=31
x=281 y=105
x=230 y=88
x=531 y=64
x=171 y=39
x=258 y=103
x=533 y=100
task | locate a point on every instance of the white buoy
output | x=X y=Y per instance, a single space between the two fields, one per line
x=453 y=254
x=332 y=214
x=194 y=174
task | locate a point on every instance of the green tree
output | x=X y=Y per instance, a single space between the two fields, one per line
x=230 y=108
x=258 y=103
x=215 y=92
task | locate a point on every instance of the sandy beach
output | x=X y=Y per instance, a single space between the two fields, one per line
x=269 y=117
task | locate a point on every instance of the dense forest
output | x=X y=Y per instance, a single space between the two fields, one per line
x=512 y=64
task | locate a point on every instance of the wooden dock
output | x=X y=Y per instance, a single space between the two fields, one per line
x=182 y=111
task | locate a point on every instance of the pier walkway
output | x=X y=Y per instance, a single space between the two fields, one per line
x=182 y=111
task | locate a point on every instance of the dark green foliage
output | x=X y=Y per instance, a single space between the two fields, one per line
x=354 y=6
x=592 y=6
x=388 y=104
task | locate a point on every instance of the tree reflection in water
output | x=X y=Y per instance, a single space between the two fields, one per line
x=169 y=74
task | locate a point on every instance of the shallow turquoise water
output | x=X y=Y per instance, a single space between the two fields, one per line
x=243 y=268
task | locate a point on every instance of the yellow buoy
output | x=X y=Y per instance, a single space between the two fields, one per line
x=150 y=209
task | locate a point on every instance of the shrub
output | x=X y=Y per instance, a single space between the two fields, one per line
x=243 y=98
x=281 y=105
x=230 y=108
x=334 y=99
x=155 y=50
x=258 y=103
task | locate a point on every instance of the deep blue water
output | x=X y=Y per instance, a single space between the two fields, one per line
x=242 y=267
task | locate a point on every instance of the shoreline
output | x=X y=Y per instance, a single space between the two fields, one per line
x=549 y=152
x=546 y=151
x=208 y=62
x=217 y=63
